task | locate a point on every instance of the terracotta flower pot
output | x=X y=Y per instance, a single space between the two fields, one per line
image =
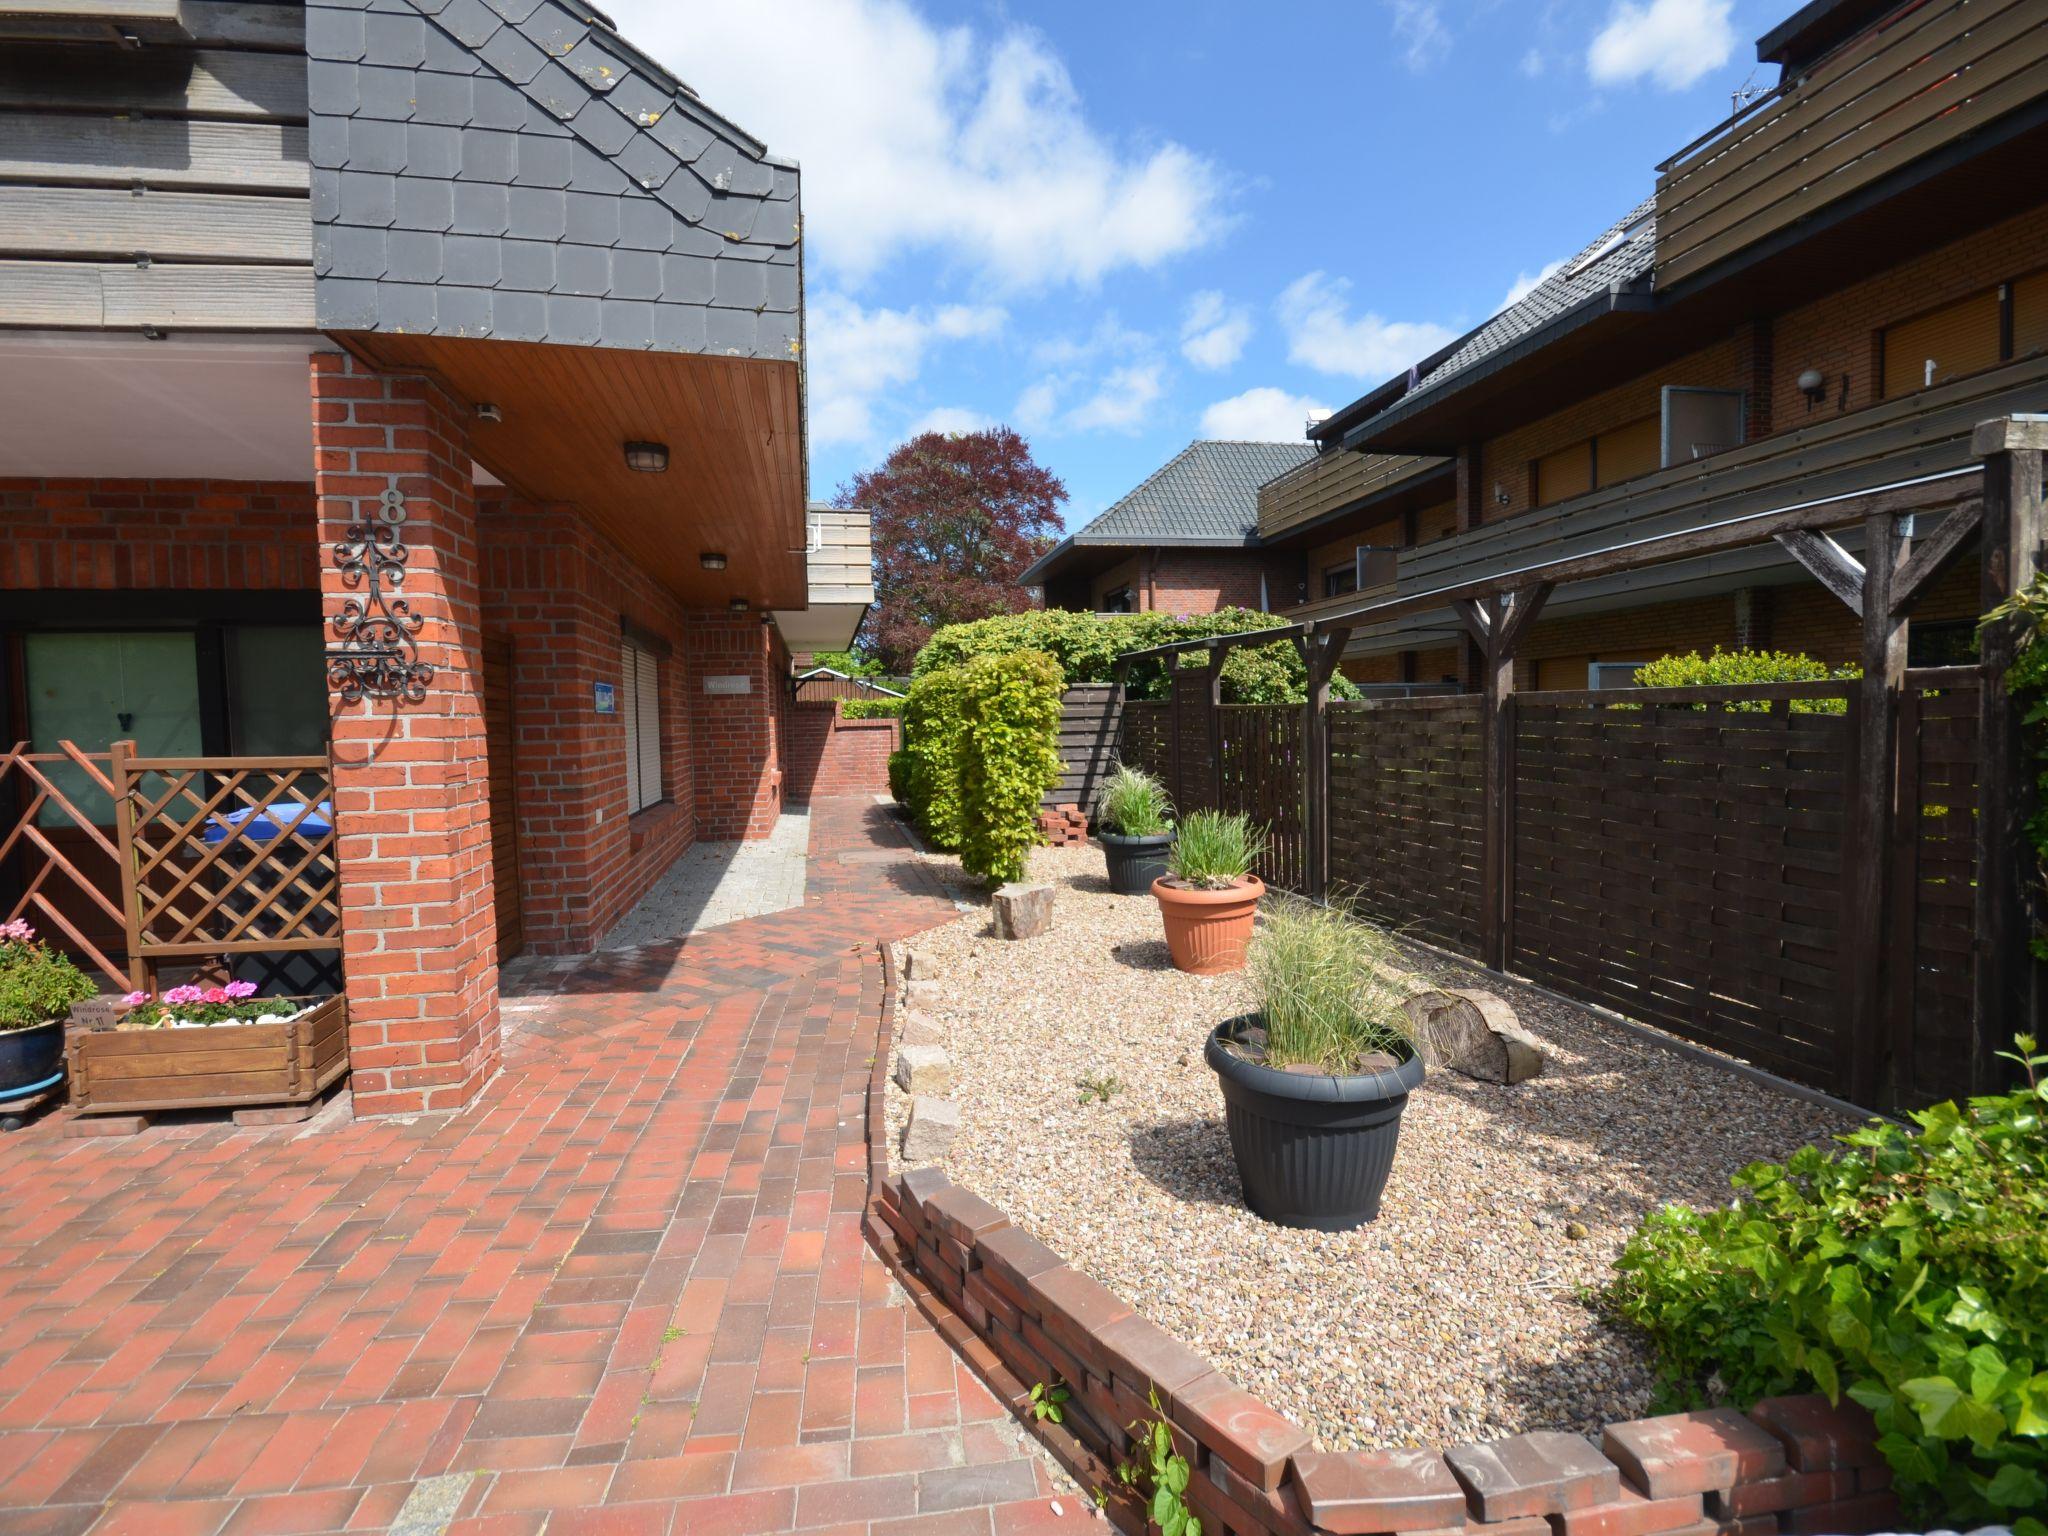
x=1207 y=931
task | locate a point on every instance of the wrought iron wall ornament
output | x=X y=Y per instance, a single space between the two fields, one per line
x=378 y=656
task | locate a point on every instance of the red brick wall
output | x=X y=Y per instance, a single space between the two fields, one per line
x=738 y=783
x=411 y=794
x=827 y=755
x=158 y=535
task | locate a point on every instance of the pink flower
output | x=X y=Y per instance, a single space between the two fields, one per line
x=214 y=995
x=240 y=989
x=16 y=931
x=185 y=995
x=135 y=999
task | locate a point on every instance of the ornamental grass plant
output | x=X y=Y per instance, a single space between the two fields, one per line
x=1214 y=851
x=1330 y=989
x=1134 y=804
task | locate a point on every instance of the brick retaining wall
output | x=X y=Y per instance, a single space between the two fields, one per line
x=828 y=754
x=1020 y=1315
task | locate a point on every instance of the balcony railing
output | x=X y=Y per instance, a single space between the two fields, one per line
x=1925 y=77
x=1330 y=482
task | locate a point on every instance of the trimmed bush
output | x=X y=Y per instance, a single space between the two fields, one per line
x=1910 y=1272
x=1086 y=646
x=1007 y=757
x=1721 y=668
x=899 y=777
x=870 y=709
x=930 y=780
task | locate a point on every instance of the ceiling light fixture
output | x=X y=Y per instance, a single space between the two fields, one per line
x=647 y=458
x=711 y=560
x=485 y=411
x=738 y=605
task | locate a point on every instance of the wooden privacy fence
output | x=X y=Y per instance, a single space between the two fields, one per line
x=148 y=859
x=1089 y=717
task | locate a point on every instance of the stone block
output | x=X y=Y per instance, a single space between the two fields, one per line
x=1368 y=1493
x=924 y=1069
x=928 y=1137
x=1634 y=1515
x=1239 y=1430
x=915 y=1028
x=1544 y=1472
x=1023 y=911
x=1475 y=1033
x=1681 y=1453
x=1820 y=1436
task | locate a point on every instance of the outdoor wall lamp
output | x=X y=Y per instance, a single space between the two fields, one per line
x=647 y=458
x=738 y=605
x=1813 y=384
x=485 y=411
x=1500 y=494
x=711 y=560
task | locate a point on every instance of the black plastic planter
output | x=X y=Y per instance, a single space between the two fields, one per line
x=1135 y=862
x=30 y=1055
x=1312 y=1151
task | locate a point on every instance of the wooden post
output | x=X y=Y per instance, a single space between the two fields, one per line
x=1497 y=625
x=1212 y=698
x=1320 y=653
x=2006 y=993
x=1871 y=811
x=124 y=842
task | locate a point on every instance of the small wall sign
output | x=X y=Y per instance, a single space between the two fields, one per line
x=739 y=682
x=604 y=698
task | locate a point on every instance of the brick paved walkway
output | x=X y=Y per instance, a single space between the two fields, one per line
x=625 y=1292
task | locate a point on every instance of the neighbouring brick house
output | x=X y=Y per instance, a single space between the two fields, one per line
x=1181 y=542
x=1786 y=319
x=484 y=282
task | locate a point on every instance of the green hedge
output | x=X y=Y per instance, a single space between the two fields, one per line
x=1720 y=668
x=870 y=709
x=1007 y=757
x=929 y=780
x=1910 y=1271
x=1086 y=646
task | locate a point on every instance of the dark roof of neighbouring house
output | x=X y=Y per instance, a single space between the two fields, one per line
x=517 y=170
x=1208 y=493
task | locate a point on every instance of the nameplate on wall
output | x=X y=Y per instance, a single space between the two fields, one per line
x=733 y=683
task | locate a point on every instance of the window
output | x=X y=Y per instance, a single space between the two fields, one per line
x=640 y=702
x=1562 y=475
x=1942 y=643
x=1340 y=579
x=2030 y=315
x=1627 y=451
x=1117 y=600
x=1612 y=674
x=1699 y=423
x=1934 y=348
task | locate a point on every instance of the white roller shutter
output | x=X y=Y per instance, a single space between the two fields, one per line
x=628 y=655
x=647 y=715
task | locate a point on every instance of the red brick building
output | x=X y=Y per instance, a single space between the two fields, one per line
x=1182 y=542
x=422 y=391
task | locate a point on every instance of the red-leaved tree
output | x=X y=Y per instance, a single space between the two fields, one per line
x=958 y=518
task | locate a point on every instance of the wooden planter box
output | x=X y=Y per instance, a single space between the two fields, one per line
x=219 y=1066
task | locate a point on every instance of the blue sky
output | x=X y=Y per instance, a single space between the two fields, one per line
x=1118 y=226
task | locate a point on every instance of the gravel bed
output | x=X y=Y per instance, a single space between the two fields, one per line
x=1458 y=1314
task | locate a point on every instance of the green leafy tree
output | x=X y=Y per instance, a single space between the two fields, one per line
x=1008 y=757
x=1909 y=1272
x=1721 y=668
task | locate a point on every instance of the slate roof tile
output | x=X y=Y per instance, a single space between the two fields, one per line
x=1209 y=491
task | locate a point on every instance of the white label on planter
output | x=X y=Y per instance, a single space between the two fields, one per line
x=738 y=683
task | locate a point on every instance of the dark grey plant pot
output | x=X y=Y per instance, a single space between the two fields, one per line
x=1312 y=1151
x=1135 y=862
x=30 y=1055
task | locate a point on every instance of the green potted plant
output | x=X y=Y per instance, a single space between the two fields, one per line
x=1134 y=820
x=1209 y=895
x=1315 y=1081
x=37 y=988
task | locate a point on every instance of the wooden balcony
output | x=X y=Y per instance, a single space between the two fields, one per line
x=1333 y=482
x=1922 y=434
x=1900 y=92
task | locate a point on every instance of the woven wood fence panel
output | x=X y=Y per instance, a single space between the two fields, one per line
x=1934 y=886
x=1262 y=779
x=1191 y=783
x=1143 y=740
x=1684 y=865
x=1405 y=787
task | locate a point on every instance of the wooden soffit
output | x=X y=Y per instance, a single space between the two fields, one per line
x=733 y=427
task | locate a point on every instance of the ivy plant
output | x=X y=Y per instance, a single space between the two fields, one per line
x=2026 y=680
x=1158 y=1475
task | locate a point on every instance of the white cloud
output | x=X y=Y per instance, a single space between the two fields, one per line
x=1261 y=415
x=1109 y=337
x=1213 y=332
x=856 y=355
x=1315 y=312
x=1526 y=283
x=914 y=137
x=1038 y=406
x=1673 y=42
x=1120 y=401
x=1533 y=63
x=1419 y=28
x=949 y=419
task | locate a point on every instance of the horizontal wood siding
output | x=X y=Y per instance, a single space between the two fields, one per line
x=1898 y=93
x=842 y=567
x=1330 y=482
x=162 y=186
